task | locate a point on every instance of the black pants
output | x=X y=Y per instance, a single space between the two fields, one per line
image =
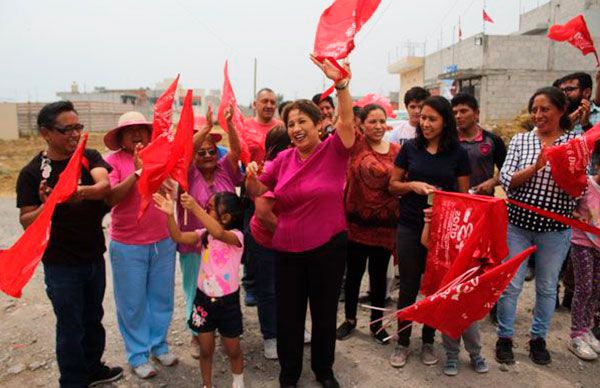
x=76 y=293
x=411 y=265
x=314 y=276
x=356 y=263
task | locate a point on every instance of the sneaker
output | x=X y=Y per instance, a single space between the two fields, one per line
x=529 y=274
x=399 y=357
x=195 y=347
x=345 y=330
x=381 y=336
x=479 y=365
x=592 y=341
x=428 y=356
x=144 y=371
x=167 y=359
x=451 y=367
x=504 y=352
x=270 y=347
x=579 y=347
x=330 y=382
x=307 y=337
x=538 y=352
x=250 y=299
x=106 y=375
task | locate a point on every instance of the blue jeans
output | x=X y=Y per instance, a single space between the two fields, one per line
x=552 y=251
x=264 y=285
x=190 y=265
x=144 y=281
x=76 y=293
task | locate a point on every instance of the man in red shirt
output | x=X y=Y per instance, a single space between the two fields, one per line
x=257 y=127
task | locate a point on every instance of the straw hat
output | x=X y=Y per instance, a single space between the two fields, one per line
x=126 y=120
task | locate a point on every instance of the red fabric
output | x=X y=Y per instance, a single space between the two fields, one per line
x=575 y=32
x=464 y=229
x=227 y=97
x=339 y=24
x=557 y=217
x=163 y=111
x=486 y=17
x=372 y=98
x=155 y=156
x=569 y=161
x=454 y=309
x=182 y=149
x=18 y=263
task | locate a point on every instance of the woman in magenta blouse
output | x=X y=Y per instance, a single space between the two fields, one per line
x=308 y=184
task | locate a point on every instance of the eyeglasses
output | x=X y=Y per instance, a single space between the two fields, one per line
x=69 y=128
x=207 y=152
x=569 y=89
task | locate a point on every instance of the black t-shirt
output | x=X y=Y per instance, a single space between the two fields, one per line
x=440 y=170
x=484 y=153
x=76 y=235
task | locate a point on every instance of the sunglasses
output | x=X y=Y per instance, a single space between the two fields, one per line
x=207 y=152
x=69 y=128
x=569 y=89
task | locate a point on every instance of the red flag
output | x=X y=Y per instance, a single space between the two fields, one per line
x=163 y=111
x=372 y=98
x=183 y=145
x=155 y=156
x=454 y=309
x=228 y=97
x=18 y=263
x=339 y=24
x=574 y=31
x=464 y=229
x=569 y=161
x=486 y=17
x=336 y=30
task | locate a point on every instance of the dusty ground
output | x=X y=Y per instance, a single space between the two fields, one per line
x=27 y=334
x=27 y=348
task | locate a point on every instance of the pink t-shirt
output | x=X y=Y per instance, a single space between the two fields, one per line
x=219 y=273
x=589 y=207
x=262 y=235
x=310 y=194
x=124 y=226
x=255 y=134
x=226 y=178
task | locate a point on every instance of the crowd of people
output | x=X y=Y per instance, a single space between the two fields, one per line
x=329 y=193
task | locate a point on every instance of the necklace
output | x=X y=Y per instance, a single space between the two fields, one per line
x=46 y=165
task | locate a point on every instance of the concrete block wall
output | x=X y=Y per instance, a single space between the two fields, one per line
x=465 y=54
x=532 y=19
x=516 y=52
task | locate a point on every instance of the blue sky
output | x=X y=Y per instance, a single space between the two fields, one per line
x=47 y=44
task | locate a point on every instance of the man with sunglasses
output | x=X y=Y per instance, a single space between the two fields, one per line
x=74 y=270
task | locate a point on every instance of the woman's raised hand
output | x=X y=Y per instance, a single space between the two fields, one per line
x=164 y=203
x=331 y=71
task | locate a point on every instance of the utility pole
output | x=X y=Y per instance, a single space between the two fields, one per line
x=254 y=88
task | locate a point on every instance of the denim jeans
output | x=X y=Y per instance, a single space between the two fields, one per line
x=144 y=281
x=190 y=265
x=552 y=251
x=264 y=285
x=76 y=293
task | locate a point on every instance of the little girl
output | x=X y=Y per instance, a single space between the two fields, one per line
x=470 y=336
x=585 y=256
x=217 y=302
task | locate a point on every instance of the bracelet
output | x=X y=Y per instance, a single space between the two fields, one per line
x=343 y=86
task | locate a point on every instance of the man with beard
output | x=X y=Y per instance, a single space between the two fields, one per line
x=74 y=270
x=583 y=113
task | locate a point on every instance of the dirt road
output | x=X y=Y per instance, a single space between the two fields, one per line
x=27 y=347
